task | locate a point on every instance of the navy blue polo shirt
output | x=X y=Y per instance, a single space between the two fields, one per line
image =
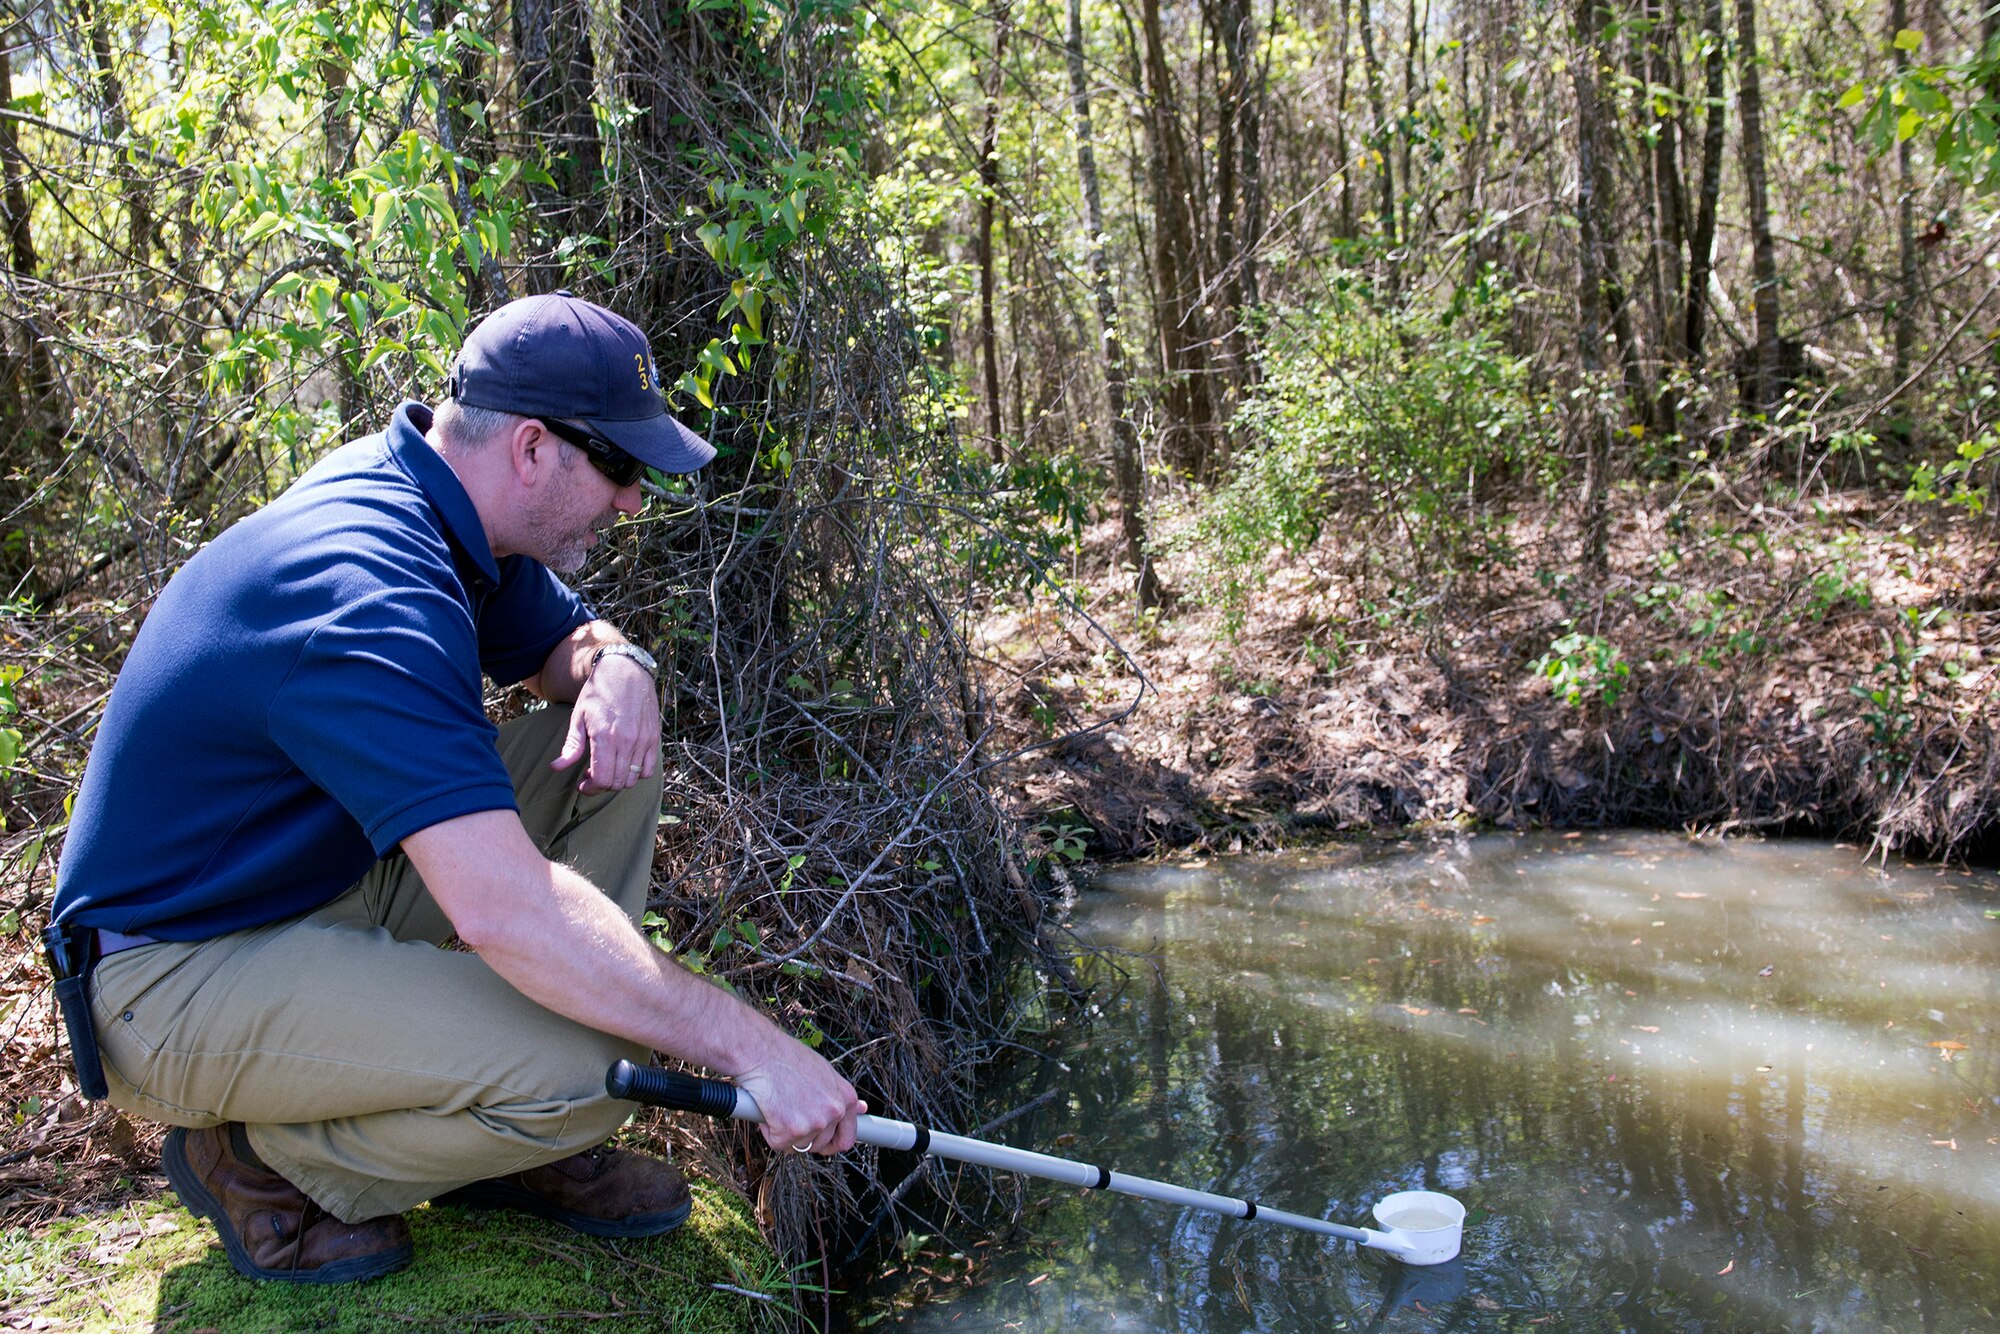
x=304 y=695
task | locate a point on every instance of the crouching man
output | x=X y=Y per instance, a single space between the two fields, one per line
x=295 y=799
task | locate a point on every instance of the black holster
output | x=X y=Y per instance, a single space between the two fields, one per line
x=69 y=954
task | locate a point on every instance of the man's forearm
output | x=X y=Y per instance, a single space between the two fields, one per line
x=549 y=933
x=554 y=937
x=625 y=985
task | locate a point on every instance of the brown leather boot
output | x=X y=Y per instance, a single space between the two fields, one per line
x=605 y=1192
x=270 y=1228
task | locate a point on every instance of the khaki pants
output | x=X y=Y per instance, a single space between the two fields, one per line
x=373 y=1069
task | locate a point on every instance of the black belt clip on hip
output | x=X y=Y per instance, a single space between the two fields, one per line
x=69 y=950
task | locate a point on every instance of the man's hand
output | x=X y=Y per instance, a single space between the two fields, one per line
x=616 y=722
x=807 y=1106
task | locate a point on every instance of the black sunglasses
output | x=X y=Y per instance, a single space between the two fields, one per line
x=621 y=468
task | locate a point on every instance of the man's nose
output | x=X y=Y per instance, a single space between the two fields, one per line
x=630 y=499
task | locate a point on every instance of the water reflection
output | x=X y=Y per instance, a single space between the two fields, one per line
x=1679 y=1085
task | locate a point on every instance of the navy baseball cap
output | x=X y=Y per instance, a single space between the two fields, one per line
x=561 y=356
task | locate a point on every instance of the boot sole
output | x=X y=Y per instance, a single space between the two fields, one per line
x=505 y=1195
x=187 y=1184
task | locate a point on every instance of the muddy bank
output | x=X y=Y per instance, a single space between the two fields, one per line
x=1807 y=671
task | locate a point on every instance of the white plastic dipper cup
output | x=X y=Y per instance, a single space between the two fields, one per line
x=1424 y=1227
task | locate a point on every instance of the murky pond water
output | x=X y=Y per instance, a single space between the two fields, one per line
x=1679 y=1086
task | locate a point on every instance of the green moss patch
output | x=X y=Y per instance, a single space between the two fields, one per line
x=150 y=1265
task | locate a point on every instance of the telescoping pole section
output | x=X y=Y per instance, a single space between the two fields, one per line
x=713 y=1097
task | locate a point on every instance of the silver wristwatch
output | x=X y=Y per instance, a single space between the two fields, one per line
x=632 y=651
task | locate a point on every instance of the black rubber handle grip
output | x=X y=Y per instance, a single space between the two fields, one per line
x=666 y=1088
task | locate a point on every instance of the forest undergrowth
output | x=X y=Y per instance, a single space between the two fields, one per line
x=1747 y=665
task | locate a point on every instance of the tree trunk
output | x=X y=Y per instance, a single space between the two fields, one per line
x=1590 y=293
x=555 y=91
x=338 y=136
x=20 y=232
x=1380 y=138
x=1239 y=180
x=1666 y=72
x=1701 y=243
x=1222 y=20
x=1669 y=196
x=33 y=417
x=1129 y=477
x=485 y=284
x=1226 y=20
x=1615 y=302
x=1417 y=22
x=558 y=75
x=1906 y=232
x=1252 y=143
x=1016 y=372
x=989 y=190
x=1183 y=339
x=1763 y=251
x=111 y=96
x=1478 y=142
x=1346 y=167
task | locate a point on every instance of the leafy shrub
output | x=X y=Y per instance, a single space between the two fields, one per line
x=1411 y=418
x=1952 y=482
x=1581 y=668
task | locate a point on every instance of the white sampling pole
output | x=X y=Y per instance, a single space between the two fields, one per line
x=1425 y=1245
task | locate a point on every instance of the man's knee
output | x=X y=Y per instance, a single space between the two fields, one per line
x=573 y=1110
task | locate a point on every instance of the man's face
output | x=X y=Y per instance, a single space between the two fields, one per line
x=578 y=503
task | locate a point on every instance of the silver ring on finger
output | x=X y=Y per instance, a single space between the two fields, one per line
x=803 y=1148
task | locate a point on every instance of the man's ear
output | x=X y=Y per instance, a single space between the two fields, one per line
x=531 y=451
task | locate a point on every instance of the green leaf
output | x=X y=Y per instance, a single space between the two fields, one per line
x=1909 y=39
x=267 y=223
x=1879 y=124
x=387 y=347
x=385 y=202
x=326 y=233
x=1854 y=96
x=696 y=382
x=1924 y=97
x=431 y=196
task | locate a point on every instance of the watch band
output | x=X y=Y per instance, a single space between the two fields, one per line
x=632 y=651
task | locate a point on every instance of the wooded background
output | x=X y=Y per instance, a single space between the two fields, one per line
x=1647 y=236
x=1460 y=246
